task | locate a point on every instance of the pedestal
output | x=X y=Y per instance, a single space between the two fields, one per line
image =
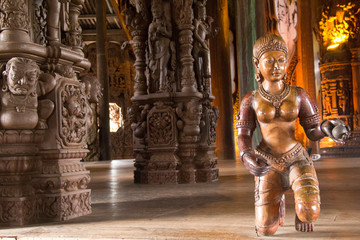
x=19 y=160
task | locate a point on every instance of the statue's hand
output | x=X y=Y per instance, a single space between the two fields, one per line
x=336 y=129
x=255 y=165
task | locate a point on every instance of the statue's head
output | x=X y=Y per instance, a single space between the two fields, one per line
x=201 y=10
x=156 y=9
x=194 y=109
x=269 y=46
x=21 y=76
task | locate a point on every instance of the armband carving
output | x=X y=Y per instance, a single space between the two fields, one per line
x=310 y=121
x=245 y=124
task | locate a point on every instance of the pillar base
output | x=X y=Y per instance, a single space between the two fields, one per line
x=65 y=206
x=207 y=175
x=17 y=211
x=187 y=176
x=156 y=177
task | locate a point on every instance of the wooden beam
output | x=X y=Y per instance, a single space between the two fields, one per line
x=102 y=75
x=93 y=16
x=121 y=17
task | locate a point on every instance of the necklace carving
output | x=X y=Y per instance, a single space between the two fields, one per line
x=276 y=100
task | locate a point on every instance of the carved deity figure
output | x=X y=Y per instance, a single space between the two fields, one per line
x=343 y=97
x=138 y=119
x=160 y=32
x=58 y=11
x=92 y=90
x=280 y=162
x=22 y=84
x=190 y=117
x=327 y=99
x=202 y=32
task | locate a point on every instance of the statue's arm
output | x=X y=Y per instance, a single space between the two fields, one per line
x=309 y=116
x=46 y=83
x=196 y=27
x=246 y=124
x=168 y=29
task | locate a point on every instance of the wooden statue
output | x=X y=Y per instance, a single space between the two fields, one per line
x=280 y=162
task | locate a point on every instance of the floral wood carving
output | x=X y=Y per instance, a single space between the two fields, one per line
x=13 y=15
x=74 y=114
x=161 y=125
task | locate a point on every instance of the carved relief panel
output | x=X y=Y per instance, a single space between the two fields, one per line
x=336 y=91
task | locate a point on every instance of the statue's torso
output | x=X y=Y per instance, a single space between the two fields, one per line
x=277 y=125
x=18 y=112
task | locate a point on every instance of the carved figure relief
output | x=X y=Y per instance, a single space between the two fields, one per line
x=202 y=32
x=160 y=33
x=138 y=116
x=343 y=95
x=93 y=93
x=22 y=84
x=287 y=15
x=327 y=99
x=190 y=114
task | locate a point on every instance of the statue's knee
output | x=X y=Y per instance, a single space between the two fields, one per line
x=267 y=220
x=307 y=212
x=267 y=230
x=307 y=199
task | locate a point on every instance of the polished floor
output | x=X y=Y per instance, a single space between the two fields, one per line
x=221 y=210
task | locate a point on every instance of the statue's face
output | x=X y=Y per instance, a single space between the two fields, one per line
x=156 y=11
x=21 y=79
x=272 y=65
x=202 y=13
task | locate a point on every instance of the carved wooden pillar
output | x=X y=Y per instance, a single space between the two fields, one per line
x=220 y=60
x=339 y=44
x=304 y=60
x=73 y=36
x=14 y=22
x=43 y=125
x=355 y=66
x=185 y=34
x=172 y=120
x=102 y=74
x=19 y=160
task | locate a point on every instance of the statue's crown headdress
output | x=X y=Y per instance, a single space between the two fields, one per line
x=270 y=42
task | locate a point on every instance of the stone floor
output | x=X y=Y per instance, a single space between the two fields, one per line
x=221 y=210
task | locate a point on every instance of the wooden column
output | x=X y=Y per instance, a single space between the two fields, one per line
x=221 y=79
x=102 y=74
x=305 y=75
